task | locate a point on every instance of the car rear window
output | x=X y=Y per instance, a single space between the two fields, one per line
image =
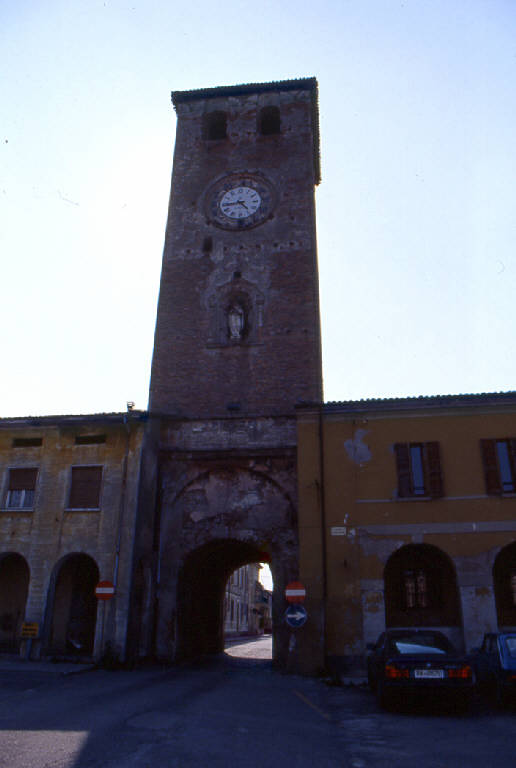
x=510 y=642
x=421 y=644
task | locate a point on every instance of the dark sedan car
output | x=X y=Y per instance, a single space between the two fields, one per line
x=495 y=663
x=418 y=662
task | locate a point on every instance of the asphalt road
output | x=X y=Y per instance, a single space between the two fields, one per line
x=233 y=711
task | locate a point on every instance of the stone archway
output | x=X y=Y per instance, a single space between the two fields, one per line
x=219 y=521
x=73 y=605
x=14 y=586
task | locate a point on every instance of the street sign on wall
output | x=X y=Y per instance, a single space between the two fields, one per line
x=104 y=590
x=296 y=616
x=30 y=629
x=295 y=592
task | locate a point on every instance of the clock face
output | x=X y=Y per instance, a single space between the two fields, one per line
x=239 y=201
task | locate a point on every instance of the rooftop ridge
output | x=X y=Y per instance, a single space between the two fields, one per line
x=113 y=416
x=377 y=403
x=303 y=83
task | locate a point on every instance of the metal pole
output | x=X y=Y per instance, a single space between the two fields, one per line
x=102 y=628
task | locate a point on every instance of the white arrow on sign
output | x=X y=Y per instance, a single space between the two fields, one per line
x=296 y=616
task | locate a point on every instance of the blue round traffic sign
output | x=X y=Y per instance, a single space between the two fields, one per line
x=296 y=615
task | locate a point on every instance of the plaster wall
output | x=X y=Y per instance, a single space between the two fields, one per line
x=47 y=533
x=365 y=522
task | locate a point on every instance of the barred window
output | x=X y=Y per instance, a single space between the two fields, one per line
x=416 y=589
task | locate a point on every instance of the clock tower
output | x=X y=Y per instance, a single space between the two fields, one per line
x=238 y=317
x=237 y=347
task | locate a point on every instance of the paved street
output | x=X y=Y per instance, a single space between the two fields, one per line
x=250 y=648
x=233 y=711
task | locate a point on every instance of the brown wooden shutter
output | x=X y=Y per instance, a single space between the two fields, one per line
x=22 y=479
x=85 y=490
x=491 y=474
x=433 y=469
x=403 y=469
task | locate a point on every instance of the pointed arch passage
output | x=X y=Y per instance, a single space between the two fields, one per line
x=504 y=580
x=421 y=588
x=14 y=586
x=74 y=606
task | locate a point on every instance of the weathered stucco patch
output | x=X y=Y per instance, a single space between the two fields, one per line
x=196 y=504
x=382 y=548
x=357 y=450
x=374 y=602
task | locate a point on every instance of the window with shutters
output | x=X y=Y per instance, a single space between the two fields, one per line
x=85 y=488
x=498 y=457
x=21 y=488
x=419 y=470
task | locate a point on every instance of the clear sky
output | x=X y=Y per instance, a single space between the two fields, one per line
x=416 y=210
x=265 y=576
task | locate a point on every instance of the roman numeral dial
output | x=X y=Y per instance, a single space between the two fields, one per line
x=239 y=201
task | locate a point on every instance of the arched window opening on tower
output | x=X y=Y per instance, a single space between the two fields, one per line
x=269 y=121
x=215 y=125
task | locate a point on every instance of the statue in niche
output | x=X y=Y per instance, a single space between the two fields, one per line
x=236 y=321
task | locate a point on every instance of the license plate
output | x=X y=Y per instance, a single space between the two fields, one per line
x=429 y=673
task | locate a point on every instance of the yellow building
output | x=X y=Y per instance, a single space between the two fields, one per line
x=407 y=516
x=68 y=516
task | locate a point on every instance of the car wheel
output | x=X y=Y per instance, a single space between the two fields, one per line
x=463 y=702
x=371 y=680
x=501 y=695
x=383 y=697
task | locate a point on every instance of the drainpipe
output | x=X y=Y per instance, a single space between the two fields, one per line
x=322 y=503
x=121 y=509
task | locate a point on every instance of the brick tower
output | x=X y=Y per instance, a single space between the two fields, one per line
x=237 y=346
x=238 y=315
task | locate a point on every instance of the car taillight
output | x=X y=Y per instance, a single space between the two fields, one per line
x=512 y=677
x=463 y=673
x=395 y=673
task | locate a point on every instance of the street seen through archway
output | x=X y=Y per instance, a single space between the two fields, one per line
x=247 y=612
